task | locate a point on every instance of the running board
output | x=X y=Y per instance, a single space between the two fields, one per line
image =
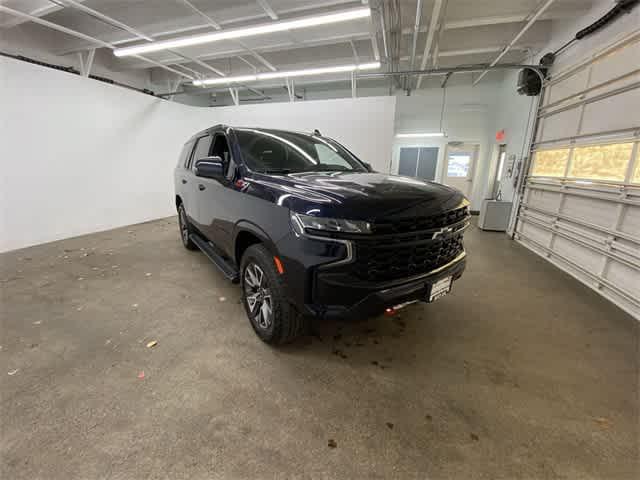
x=227 y=269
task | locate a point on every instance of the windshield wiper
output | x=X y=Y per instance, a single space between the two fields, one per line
x=283 y=171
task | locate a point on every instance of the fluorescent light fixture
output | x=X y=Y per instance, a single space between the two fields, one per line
x=226 y=80
x=419 y=135
x=219 y=35
x=287 y=74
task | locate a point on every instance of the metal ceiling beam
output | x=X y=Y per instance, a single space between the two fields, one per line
x=251 y=65
x=137 y=33
x=38 y=12
x=470 y=51
x=499 y=20
x=374 y=46
x=435 y=16
x=102 y=16
x=267 y=9
x=143 y=36
x=73 y=33
x=519 y=35
x=454 y=70
x=416 y=29
x=356 y=57
x=209 y=20
x=285 y=46
x=197 y=61
x=436 y=47
x=321 y=6
x=257 y=56
x=217 y=26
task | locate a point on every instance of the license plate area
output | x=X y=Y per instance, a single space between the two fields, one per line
x=439 y=289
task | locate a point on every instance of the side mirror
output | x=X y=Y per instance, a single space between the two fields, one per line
x=210 y=167
x=368 y=166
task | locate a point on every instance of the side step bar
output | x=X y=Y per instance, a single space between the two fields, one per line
x=228 y=270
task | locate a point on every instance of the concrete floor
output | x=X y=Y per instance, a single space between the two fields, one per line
x=520 y=373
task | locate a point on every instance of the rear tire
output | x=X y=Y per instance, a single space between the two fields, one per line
x=271 y=315
x=185 y=229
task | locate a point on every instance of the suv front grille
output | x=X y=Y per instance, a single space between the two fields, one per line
x=404 y=250
x=415 y=224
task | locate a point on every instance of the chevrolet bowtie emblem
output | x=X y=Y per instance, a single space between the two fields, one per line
x=442 y=231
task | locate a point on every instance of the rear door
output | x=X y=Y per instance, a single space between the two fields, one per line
x=195 y=197
x=182 y=174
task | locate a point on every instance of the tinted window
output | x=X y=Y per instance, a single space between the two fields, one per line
x=202 y=149
x=274 y=151
x=184 y=154
x=221 y=149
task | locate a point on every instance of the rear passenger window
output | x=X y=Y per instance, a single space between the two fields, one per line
x=202 y=149
x=184 y=154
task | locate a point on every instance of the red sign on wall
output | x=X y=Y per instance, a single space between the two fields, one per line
x=500 y=135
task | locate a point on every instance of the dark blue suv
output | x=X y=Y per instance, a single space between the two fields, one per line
x=308 y=229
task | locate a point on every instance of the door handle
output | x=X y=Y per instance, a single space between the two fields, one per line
x=184 y=181
x=201 y=187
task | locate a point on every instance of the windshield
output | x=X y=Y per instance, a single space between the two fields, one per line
x=275 y=151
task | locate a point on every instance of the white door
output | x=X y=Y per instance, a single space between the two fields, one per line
x=580 y=207
x=458 y=167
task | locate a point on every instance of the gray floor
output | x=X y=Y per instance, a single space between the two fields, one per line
x=520 y=373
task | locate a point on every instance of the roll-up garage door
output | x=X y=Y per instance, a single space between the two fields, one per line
x=580 y=206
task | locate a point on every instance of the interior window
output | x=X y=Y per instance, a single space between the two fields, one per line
x=458 y=165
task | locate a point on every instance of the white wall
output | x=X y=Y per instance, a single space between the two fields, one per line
x=514 y=113
x=468 y=117
x=79 y=156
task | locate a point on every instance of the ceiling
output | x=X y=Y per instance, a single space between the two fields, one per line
x=465 y=31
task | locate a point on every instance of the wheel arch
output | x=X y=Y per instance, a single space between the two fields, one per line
x=247 y=234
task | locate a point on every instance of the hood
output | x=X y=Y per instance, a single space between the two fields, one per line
x=362 y=196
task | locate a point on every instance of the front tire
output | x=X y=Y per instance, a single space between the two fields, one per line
x=185 y=229
x=271 y=315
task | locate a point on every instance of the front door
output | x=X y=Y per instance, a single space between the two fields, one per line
x=216 y=199
x=458 y=167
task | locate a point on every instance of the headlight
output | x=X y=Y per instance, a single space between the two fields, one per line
x=302 y=222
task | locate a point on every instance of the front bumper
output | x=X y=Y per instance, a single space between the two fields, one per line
x=339 y=296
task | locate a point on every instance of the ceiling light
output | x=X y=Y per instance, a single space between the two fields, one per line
x=419 y=135
x=287 y=74
x=226 y=80
x=272 y=27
